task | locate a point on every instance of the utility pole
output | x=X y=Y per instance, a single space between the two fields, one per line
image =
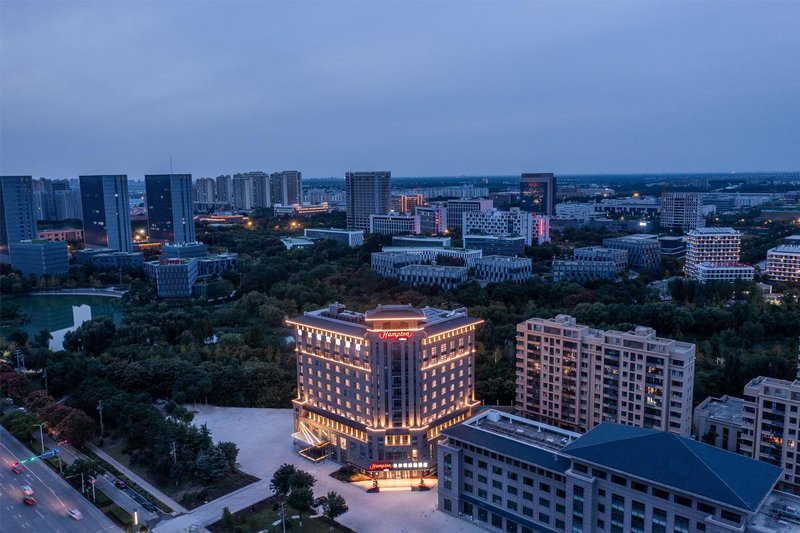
x=41 y=435
x=94 y=494
x=44 y=375
x=100 y=410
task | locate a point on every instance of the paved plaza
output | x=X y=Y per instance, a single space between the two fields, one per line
x=264 y=440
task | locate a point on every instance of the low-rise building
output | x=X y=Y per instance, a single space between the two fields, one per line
x=394 y=224
x=705 y=272
x=783 y=263
x=432 y=219
x=633 y=207
x=291 y=243
x=498 y=269
x=421 y=241
x=174 y=277
x=718 y=421
x=387 y=264
x=115 y=260
x=301 y=210
x=39 y=257
x=457 y=208
x=430 y=254
x=644 y=250
x=598 y=253
x=351 y=238
x=533 y=227
x=184 y=250
x=509 y=474
x=583 y=271
x=511 y=245
x=672 y=246
x=61 y=234
x=445 y=277
x=217 y=265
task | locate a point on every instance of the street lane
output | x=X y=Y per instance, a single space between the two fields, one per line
x=55 y=497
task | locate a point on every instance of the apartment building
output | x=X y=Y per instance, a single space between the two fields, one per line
x=720 y=246
x=718 y=421
x=366 y=193
x=509 y=474
x=682 y=210
x=783 y=263
x=576 y=377
x=432 y=219
x=770 y=427
x=375 y=389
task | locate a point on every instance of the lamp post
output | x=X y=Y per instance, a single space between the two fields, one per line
x=41 y=436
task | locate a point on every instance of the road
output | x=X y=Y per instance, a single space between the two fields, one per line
x=54 y=494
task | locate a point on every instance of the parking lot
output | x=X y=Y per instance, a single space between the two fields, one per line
x=264 y=440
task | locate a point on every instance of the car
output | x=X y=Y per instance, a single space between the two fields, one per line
x=150 y=507
x=27 y=490
x=17 y=469
x=75 y=514
x=120 y=484
x=29 y=500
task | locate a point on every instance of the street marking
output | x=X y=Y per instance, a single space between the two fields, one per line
x=34 y=475
x=40 y=514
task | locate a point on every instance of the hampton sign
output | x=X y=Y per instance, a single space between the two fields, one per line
x=394 y=335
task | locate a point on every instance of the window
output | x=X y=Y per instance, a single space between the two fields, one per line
x=732 y=517
x=682 y=500
x=544 y=518
x=527 y=496
x=497 y=470
x=497 y=520
x=448 y=505
x=681 y=524
x=658 y=493
x=578 y=467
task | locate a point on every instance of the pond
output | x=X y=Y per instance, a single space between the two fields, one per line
x=61 y=314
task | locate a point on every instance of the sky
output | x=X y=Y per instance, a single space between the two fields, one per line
x=419 y=88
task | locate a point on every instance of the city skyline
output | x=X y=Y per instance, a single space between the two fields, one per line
x=596 y=88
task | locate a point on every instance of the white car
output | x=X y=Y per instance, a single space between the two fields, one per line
x=26 y=490
x=76 y=514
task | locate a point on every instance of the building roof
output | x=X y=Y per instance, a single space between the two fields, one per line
x=394 y=312
x=725 y=409
x=678 y=462
x=714 y=231
x=312 y=321
x=785 y=249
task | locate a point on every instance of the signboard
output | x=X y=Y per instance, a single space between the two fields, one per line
x=380 y=466
x=394 y=335
x=49 y=453
x=397 y=466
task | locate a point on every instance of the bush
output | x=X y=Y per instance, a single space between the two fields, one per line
x=120 y=516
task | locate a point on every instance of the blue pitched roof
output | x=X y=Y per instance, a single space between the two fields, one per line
x=510 y=447
x=678 y=462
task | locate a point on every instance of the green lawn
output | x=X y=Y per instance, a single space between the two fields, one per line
x=261 y=517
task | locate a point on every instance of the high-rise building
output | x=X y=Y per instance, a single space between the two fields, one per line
x=170 y=214
x=457 y=208
x=106 y=215
x=770 y=426
x=506 y=473
x=17 y=216
x=243 y=197
x=205 y=191
x=783 y=263
x=287 y=187
x=714 y=246
x=576 y=377
x=682 y=210
x=67 y=204
x=538 y=192
x=224 y=190
x=374 y=390
x=367 y=193
x=262 y=195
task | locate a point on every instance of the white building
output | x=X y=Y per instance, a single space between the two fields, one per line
x=429 y=254
x=500 y=268
x=432 y=219
x=783 y=263
x=394 y=224
x=535 y=228
x=682 y=210
x=351 y=238
x=705 y=272
x=720 y=246
x=446 y=277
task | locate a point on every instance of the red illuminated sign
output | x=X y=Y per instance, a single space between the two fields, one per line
x=380 y=466
x=394 y=335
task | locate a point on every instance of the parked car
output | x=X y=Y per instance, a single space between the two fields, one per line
x=150 y=507
x=120 y=484
x=29 y=500
x=75 y=514
x=27 y=490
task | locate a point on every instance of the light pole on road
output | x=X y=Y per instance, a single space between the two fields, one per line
x=41 y=435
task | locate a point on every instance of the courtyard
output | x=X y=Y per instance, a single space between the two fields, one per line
x=264 y=440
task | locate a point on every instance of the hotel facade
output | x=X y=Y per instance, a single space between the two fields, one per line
x=375 y=389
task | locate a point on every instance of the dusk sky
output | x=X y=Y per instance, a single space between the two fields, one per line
x=418 y=88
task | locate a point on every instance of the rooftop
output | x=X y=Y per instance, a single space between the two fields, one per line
x=637 y=237
x=726 y=409
x=786 y=249
x=678 y=462
x=714 y=231
x=394 y=312
x=779 y=514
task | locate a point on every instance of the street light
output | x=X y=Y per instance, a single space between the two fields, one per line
x=41 y=435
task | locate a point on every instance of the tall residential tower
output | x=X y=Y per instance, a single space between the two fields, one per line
x=368 y=193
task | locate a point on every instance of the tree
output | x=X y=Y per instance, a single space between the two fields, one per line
x=279 y=484
x=302 y=499
x=301 y=479
x=710 y=437
x=18 y=337
x=43 y=338
x=87 y=467
x=228 y=521
x=231 y=452
x=14 y=385
x=211 y=465
x=20 y=424
x=38 y=400
x=77 y=428
x=334 y=505
x=93 y=336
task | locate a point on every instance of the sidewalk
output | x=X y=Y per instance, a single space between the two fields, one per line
x=141 y=482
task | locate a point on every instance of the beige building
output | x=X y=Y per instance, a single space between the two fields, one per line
x=576 y=377
x=783 y=263
x=375 y=389
x=770 y=426
x=711 y=246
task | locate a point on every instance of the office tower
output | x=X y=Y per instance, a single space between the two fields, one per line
x=262 y=195
x=224 y=190
x=457 y=208
x=205 y=191
x=432 y=219
x=39 y=257
x=367 y=193
x=783 y=263
x=714 y=246
x=106 y=215
x=287 y=187
x=507 y=473
x=533 y=227
x=170 y=217
x=682 y=210
x=18 y=217
x=374 y=390
x=576 y=377
x=537 y=193
x=242 y=191
x=770 y=426
x=67 y=204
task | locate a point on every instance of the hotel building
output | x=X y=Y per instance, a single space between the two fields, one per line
x=375 y=389
x=576 y=377
x=718 y=246
x=783 y=263
x=512 y=475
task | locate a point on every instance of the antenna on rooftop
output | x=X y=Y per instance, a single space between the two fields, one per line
x=170 y=164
